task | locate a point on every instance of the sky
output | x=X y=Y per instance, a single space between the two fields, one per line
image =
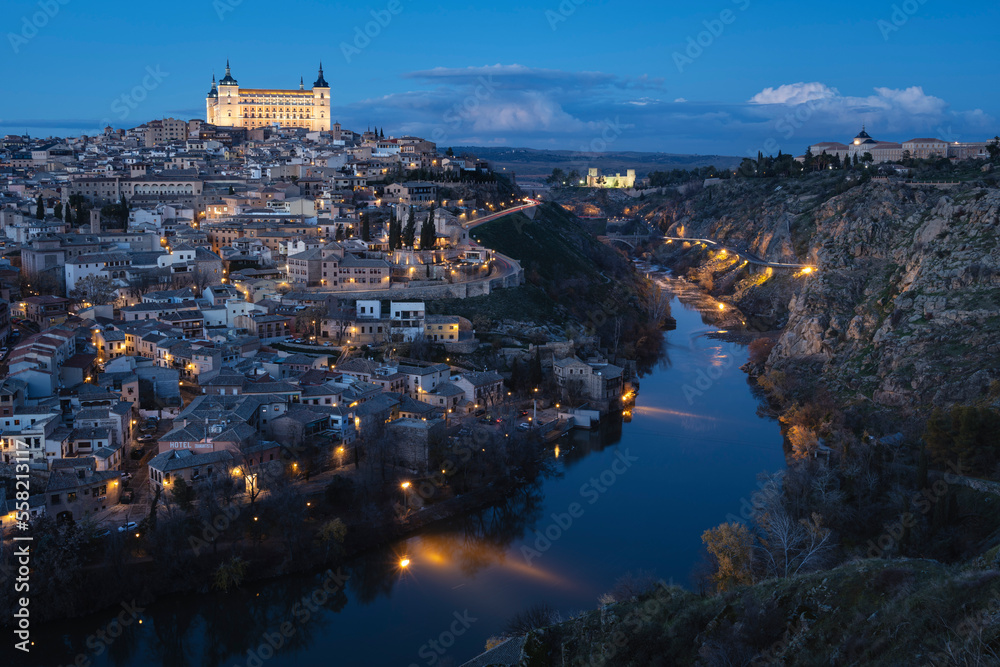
x=728 y=77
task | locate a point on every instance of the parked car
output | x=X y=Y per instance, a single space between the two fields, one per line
x=146 y=438
x=126 y=475
x=127 y=497
x=130 y=525
x=523 y=426
x=137 y=453
x=104 y=532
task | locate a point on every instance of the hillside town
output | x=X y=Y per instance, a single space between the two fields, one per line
x=184 y=302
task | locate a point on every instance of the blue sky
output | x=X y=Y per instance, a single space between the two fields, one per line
x=723 y=76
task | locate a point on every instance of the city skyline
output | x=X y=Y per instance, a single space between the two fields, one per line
x=688 y=80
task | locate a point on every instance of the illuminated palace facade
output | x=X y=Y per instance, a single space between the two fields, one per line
x=232 y=106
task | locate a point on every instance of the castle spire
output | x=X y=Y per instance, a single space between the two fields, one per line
x=228 y=80
x=302 y=83
x=320 y=81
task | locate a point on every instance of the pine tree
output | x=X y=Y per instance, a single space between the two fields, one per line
x=382 y=135
x=366 y=231
x=409 y=232
x=428 y=235
x=68 y=214
x=40 y=209
x=393 y=232
x=536 y=369
x=57 y=210
x=516 y=381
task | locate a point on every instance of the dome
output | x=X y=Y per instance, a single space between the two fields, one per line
x=214 y=92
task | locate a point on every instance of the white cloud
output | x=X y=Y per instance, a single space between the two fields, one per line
x=524 y=106
x=794 y=93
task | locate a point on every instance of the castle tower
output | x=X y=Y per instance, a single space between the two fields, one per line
x=228 y=110
x=321 y=104
x=211 y=102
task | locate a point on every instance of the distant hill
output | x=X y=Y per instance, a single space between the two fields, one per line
x=529 y=162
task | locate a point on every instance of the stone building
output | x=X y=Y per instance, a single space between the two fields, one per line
x=228 y=105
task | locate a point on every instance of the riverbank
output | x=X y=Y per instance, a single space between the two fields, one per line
x=139 y=577
x=694 y=457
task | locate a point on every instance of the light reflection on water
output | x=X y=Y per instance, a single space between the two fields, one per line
x=696 y=458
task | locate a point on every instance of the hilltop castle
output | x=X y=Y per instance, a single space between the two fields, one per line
x=596 y=180
x=232 y=106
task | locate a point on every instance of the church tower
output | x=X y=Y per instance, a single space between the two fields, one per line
x=321 y=104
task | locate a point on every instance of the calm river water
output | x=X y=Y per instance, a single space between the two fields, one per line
x=642 y=494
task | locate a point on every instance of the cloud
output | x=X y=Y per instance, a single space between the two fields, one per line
x=524 y=106
x=522 y=77
x=517 y=105
x=793 y=93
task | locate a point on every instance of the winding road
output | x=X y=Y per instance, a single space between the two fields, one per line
x=750 y=257
x=495 y=216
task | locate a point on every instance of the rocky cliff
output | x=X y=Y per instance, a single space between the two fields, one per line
x=904 y=309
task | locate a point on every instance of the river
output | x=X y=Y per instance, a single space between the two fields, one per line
x=634 y=497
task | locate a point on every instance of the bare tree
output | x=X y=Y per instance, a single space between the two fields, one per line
x=658 y=305
x=787 y=546
x=94 y=289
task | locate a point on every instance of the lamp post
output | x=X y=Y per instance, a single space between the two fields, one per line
x=406 y=500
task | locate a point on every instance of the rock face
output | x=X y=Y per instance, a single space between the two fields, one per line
x=905 y=308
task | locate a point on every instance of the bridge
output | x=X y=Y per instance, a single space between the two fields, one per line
x=748 y=256
x=629 y=239
x=530 y=203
